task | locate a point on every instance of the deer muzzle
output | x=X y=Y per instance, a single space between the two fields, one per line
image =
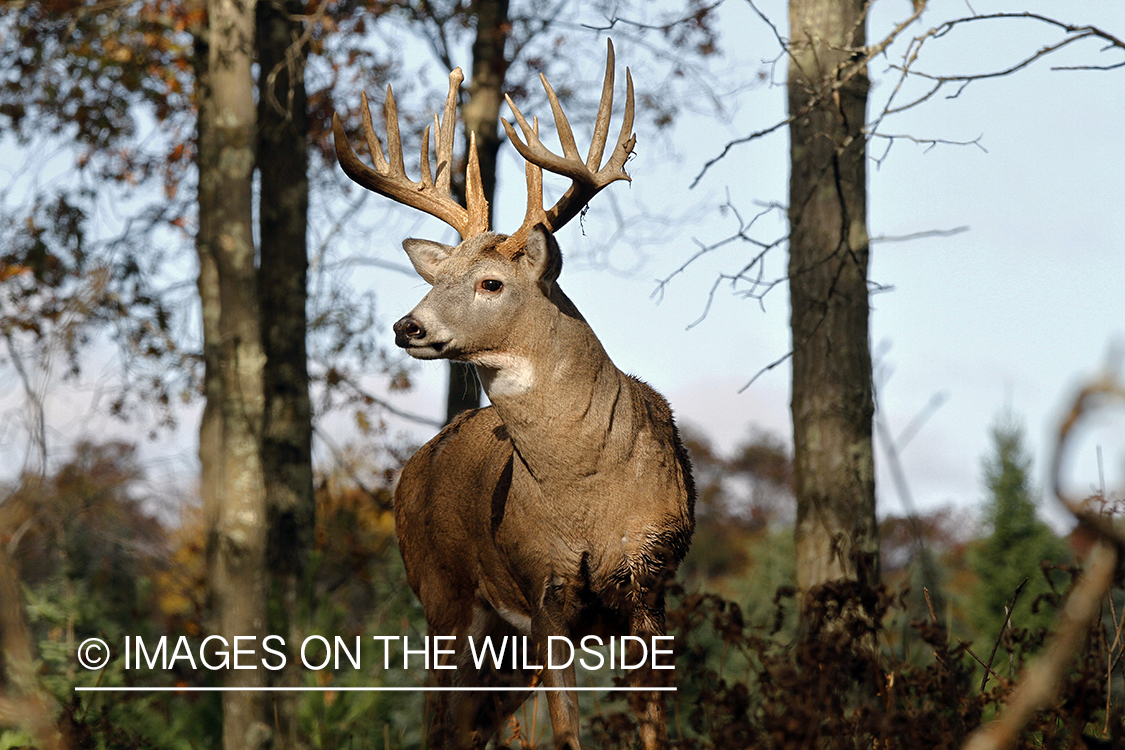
x=408 y=331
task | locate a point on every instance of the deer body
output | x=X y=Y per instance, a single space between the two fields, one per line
x=562 y=509
x=565 y=507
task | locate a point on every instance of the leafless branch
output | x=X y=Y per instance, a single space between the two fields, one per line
x=874 y=50
x=910 y=57
x=766 y=369
x=614 y=20
x=292 y=61
x=907 y=70
x=1007 y=622
x=739 y=141
x=915 y=425
x=752 y=272
x=980 y=661
x=892 y=448
x=918 y=235
x=35 y=405
x=781 y=41
x=930 y=143
x=374 y=400
x=742 y=233
x=845 y=77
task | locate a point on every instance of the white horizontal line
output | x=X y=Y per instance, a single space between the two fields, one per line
x=368 y=689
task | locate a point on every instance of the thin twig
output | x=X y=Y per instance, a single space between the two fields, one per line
x=1007 y=620
x=766 y=369
x=970 y=652
x=924 y=234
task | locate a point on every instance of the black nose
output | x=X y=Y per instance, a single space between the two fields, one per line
x=407 y=330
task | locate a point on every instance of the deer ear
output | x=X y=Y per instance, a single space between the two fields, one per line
x=543 y=253
x=426 y=256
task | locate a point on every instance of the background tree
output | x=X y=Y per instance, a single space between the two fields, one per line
x=1012 y=561
x=286 y=440
x=832 y=403
x=234 y=484
x=90 y=546
x=828 y=53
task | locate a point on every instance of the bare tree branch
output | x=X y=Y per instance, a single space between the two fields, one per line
x=930 y=143
x=907 y=70
x=742 y=233
x=910 y=57
x=918 y=235
x=665 y=26
x=374 y=400
x=766 y=369
x=844 y=77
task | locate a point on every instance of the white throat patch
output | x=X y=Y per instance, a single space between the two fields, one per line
x=504 y=374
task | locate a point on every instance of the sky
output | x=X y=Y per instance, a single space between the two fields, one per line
x=1012 y=312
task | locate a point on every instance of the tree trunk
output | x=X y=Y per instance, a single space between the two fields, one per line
x=232 y=470
x=481 y=114
x=282 y=294
x=832 y=408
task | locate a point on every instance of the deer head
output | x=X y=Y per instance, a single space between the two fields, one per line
x=483 y=283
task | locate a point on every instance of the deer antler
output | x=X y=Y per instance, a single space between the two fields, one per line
x=586 y=176
x=431 y=194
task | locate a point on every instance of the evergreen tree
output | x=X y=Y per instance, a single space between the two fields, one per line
x=1018 y=542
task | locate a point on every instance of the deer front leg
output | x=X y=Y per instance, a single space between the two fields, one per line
x=435 y=713
x=562 y=703
x=652 y=720
x=478 y=716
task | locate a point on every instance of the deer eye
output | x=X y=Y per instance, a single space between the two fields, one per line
x=490 y=285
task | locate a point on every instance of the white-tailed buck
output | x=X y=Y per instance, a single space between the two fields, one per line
x=565 y=507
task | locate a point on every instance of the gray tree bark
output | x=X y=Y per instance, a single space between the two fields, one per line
x=234 y=485
x=832 y=407
x=286 y=441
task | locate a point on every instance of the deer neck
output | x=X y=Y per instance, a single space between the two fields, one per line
x=557 y=393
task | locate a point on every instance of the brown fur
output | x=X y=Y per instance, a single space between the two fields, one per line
x=563 y=509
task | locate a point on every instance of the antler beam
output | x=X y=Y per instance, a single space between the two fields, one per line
x=587 y=178
x=431 y=193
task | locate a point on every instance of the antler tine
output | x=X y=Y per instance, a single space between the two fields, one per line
x=534 y=151
x=566 y=137
x=389 y=174
x=475 y=200
x=373 y=144
x=394 y=141
x=586 y=177
x=535 y=213
x=424 y=158
x=443 y=133
x=627 y=139
x=605 y=107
